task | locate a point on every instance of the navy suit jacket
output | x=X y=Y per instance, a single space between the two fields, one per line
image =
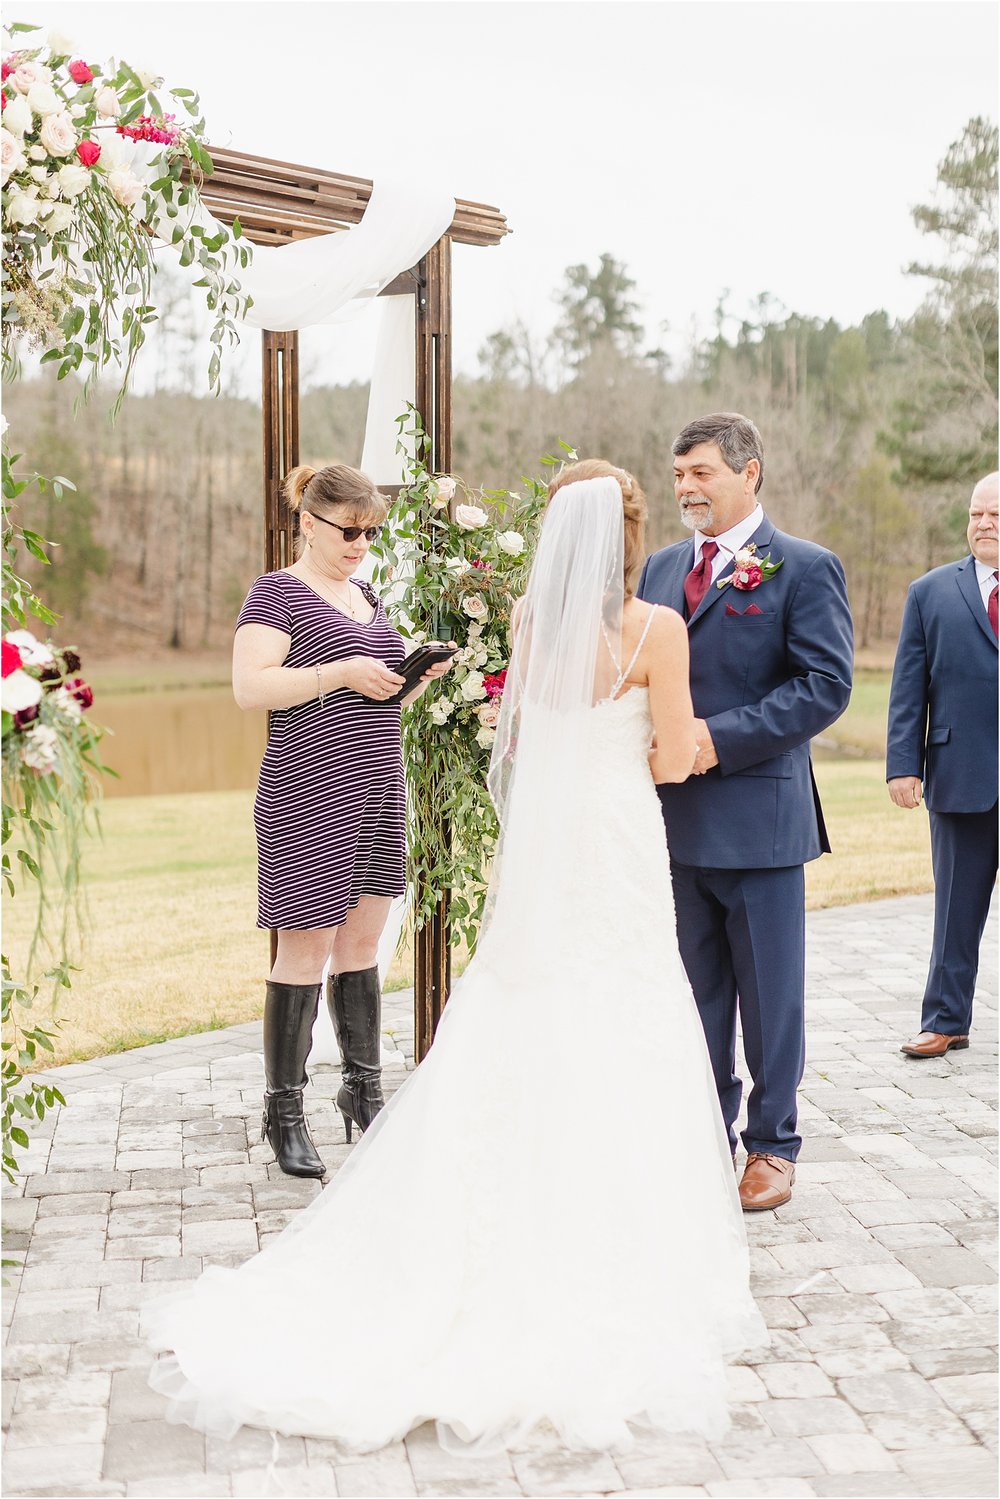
x=765 y=683
x=943 y=702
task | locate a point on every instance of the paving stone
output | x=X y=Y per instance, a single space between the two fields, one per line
x=947 y=1267
x=919 y=1335
x=772 y=1488
x=955 y=1361
x=795 y=1418
x=132 y=1399
x=89 y=1388
x=901 y=1432
x=152 y=1449
x=220 y=1237
x=383 y=1473
x=250 y=1448
x=171 y=1269
x=678 y=1461
x=64 y=1464
x=38 y=1427
x=856 y=1453
x=795 y=1381
x=968 y=1392
x=571 y=1473
x=189 y=1486
x=99 y=1272
x=864 y=1485
x=301 y=1481
x=766 y=1456
x=962 y=1472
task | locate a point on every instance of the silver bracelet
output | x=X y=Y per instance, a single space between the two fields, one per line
x=319 y=685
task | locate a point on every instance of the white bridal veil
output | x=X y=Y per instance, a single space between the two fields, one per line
x=566 y=661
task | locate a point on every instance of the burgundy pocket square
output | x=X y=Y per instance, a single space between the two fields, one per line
x=750 y=609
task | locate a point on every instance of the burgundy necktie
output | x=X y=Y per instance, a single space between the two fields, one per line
x=991 y=607
x=697 y=582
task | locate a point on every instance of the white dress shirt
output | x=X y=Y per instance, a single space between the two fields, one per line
x=987 y=580
x=729 y=542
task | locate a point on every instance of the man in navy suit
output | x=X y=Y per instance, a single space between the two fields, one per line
x=942 y=745
x=771 y=663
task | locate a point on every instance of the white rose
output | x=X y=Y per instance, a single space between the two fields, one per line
x=17 y=117
x=37 y=153
x=22 y=206
x=18 y=691
x=12 y=158
x=33 y=652
x=485 y=738
x=57 y=135
x=475 y=631
x=147 y=77
x=472 y=688
x=444 y=492
x=474 y=606
x=43 y=99
x=73 y=180
x=61 y=45
x=41 y=745
x=511 y=542
x=28 y=73
x=107 y=102
x=39 y=175
x=456 y=565
x=489 y=713
x=441 y=710
x=67 y=706
x=470 y=517
x=126 y=188
x=482 y=656
x=56 y=218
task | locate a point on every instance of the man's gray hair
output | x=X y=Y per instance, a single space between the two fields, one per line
x=735 y=436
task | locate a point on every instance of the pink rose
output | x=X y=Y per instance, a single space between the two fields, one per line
x=748 y=577
x=28 y=73
x=489 y=713
x=126 y=188
x=89 y=153
x=79 y=72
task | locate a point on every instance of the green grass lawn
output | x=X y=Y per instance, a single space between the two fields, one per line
x=171 y=947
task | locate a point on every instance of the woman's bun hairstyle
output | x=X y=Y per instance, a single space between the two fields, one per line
x=634 y=509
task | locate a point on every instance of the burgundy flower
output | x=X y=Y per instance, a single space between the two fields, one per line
x=24 y=716
x=71 y=661
x=51 y=675
x=81 y=690
x=11 y=657
x=79 y=72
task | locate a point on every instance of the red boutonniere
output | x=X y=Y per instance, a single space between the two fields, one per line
x=749 y=570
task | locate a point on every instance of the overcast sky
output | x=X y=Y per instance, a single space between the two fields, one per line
x=757 y=147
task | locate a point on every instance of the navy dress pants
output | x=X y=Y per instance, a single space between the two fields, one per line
x=964 y=856
x=741 y=934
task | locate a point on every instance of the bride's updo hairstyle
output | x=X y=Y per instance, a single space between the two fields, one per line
x=633 y=508
x=316 y=491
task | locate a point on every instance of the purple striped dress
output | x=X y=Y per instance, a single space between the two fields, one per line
x=330 y=811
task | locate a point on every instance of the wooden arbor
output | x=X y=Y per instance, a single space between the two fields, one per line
x=277 y=202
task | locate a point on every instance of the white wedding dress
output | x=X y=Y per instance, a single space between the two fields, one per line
x=543 y=1224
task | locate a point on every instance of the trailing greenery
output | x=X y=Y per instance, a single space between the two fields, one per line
x=457 y=561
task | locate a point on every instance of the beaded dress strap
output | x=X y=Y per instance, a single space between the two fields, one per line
x=623 y=675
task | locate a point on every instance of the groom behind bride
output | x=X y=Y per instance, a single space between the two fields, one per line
x=771 y=642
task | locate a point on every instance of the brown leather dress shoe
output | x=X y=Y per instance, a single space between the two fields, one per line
x=930 y=1044
x=767 y=1182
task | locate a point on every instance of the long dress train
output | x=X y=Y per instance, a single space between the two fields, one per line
x=543 y=1224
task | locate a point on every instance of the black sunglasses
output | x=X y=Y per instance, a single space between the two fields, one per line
x=350 y=533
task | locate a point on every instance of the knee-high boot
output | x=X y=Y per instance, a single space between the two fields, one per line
x=289 y=1012
x=355 y=1001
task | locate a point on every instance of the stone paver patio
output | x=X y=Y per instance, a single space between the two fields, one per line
x=878 y=1280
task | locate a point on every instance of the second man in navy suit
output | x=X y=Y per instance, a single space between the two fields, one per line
x=771 y=666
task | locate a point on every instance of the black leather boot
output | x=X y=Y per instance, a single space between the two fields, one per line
x=289 y=1012
x=355 y=1001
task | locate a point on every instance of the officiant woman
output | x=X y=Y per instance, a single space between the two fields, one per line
x=315 y=647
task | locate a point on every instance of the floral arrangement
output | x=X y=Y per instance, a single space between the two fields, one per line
x=750 y=570
x=43 y=700
x=94 y=171
x=456 y=561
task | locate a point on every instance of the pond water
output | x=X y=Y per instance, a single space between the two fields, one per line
x=172 y=741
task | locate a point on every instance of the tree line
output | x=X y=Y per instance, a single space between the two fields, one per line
x=875 y=433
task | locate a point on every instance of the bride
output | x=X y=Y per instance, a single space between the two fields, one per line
x=543 y=1224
